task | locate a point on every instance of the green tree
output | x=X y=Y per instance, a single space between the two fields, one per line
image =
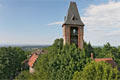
x=97 y=71
x=66 y=62
x=58 y=43
x=88 y=48
x=10 y=61
x=24 y=76
x=59 y=63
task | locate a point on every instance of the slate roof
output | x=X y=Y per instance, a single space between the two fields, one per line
x=73 y=16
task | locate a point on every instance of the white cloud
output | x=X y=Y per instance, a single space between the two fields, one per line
x=56 y=23
x=103 y=23
x=114 y=33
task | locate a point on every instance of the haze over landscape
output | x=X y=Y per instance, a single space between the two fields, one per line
x=38 y=22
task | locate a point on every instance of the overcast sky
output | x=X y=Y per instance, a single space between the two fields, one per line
x=39 y=22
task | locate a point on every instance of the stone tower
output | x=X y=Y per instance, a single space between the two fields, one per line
x=73 y=27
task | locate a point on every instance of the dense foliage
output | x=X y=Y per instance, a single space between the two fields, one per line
x=63 y=62
x=108 y=51
x=10 y=62
x=97 y=71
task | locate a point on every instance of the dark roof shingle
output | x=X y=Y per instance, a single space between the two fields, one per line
x=73 y=16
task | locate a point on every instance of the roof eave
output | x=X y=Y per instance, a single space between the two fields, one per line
x=73 y=24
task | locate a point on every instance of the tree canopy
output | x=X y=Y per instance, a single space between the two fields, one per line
x=97 y=71
x=67 y=62
x=10 y=61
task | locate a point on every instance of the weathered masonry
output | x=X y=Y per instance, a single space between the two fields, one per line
x=73 y=27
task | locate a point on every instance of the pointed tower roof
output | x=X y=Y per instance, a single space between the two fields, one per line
x=73 y=16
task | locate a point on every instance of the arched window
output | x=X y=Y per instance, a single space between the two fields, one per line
x=74 y=31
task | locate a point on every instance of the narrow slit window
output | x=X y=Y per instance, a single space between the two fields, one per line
x=74 y=18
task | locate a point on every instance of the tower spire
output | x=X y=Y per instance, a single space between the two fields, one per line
x=73 y=16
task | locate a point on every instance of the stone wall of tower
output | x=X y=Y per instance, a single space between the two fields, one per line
x=66 y=34
x=80 y=37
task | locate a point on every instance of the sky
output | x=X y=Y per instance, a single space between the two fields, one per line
x=39 y=22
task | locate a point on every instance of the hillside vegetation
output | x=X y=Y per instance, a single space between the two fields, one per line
x=68 y=62
x=11 y=59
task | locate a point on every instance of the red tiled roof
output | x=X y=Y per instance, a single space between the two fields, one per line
x=108 y=60
x=32 y=59
x=103 y=59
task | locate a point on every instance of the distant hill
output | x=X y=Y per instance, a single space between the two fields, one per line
x=33 y=47
x=27 y=47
